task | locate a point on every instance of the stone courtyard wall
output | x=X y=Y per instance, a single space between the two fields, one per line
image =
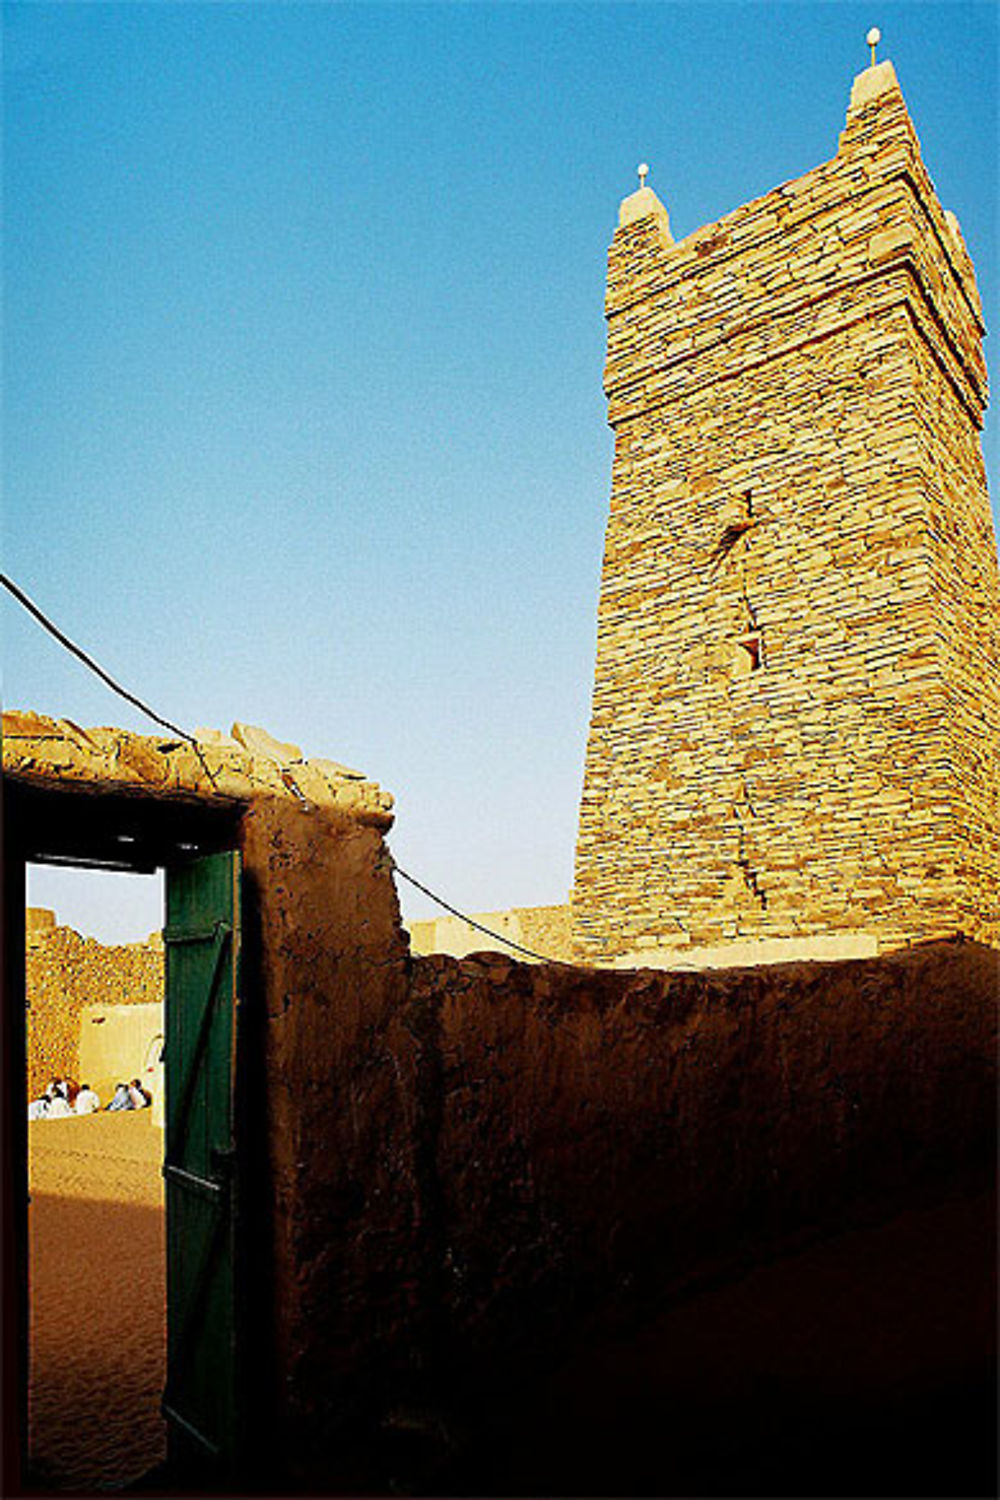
x=65 y=973
x=796 y=712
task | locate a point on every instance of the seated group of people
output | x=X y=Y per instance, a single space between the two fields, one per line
x=64 y=1098
x=130 y=1096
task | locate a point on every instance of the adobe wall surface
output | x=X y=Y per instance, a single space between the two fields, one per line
x=564 y=1154
x=121 y=1042
x=859 y=1364
x=796 y=393
x=329 y=957
x=65 y=975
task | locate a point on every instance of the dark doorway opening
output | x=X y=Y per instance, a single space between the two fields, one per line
x=90 y=827
x=97 y=1291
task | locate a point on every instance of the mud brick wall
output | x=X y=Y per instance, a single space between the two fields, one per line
x=590 y=1147
x=796 y=709
x=324 y=966
x=65 y=972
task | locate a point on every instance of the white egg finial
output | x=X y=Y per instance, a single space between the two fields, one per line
x=873 y=38
x=643 y=171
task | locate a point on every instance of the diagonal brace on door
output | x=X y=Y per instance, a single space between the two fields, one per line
x=192 y=1321
x=222 y=933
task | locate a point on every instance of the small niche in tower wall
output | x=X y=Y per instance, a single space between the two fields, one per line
x=748 y=654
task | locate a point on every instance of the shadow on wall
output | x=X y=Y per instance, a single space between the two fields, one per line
x=861 y=1365
x=729 y=1232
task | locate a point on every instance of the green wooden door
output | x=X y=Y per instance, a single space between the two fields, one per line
x=202 y=973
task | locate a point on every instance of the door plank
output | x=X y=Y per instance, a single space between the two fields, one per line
x=202 y=950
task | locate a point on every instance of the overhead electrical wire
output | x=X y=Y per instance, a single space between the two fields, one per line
x=478 y=925
x=95 y=667
x=89 y=661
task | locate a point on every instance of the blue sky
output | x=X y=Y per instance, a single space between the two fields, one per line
x=303 y=342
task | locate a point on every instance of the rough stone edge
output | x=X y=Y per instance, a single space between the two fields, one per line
x=245 y=765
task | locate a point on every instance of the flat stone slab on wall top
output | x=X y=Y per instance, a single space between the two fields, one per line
x=248 y=763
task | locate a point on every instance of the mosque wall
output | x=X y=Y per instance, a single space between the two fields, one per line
x=545 y=930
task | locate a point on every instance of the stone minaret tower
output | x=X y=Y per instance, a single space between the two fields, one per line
x=794 y=741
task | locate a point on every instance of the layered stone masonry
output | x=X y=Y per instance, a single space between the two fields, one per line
x=795 y=717
x=64 y=973
x=244 y=764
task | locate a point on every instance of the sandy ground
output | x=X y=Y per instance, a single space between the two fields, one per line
x=98 y=1321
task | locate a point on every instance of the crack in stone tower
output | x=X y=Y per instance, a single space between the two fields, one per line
x=799 y=594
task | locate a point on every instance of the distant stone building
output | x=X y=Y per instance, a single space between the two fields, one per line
x=80 y=992
x=524 y=932
x=795 y=728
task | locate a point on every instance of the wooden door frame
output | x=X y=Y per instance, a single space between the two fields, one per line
x=80 y=825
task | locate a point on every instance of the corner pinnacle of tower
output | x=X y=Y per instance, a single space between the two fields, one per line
x=878 y=78
x=873 y=82
x=643 y=202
